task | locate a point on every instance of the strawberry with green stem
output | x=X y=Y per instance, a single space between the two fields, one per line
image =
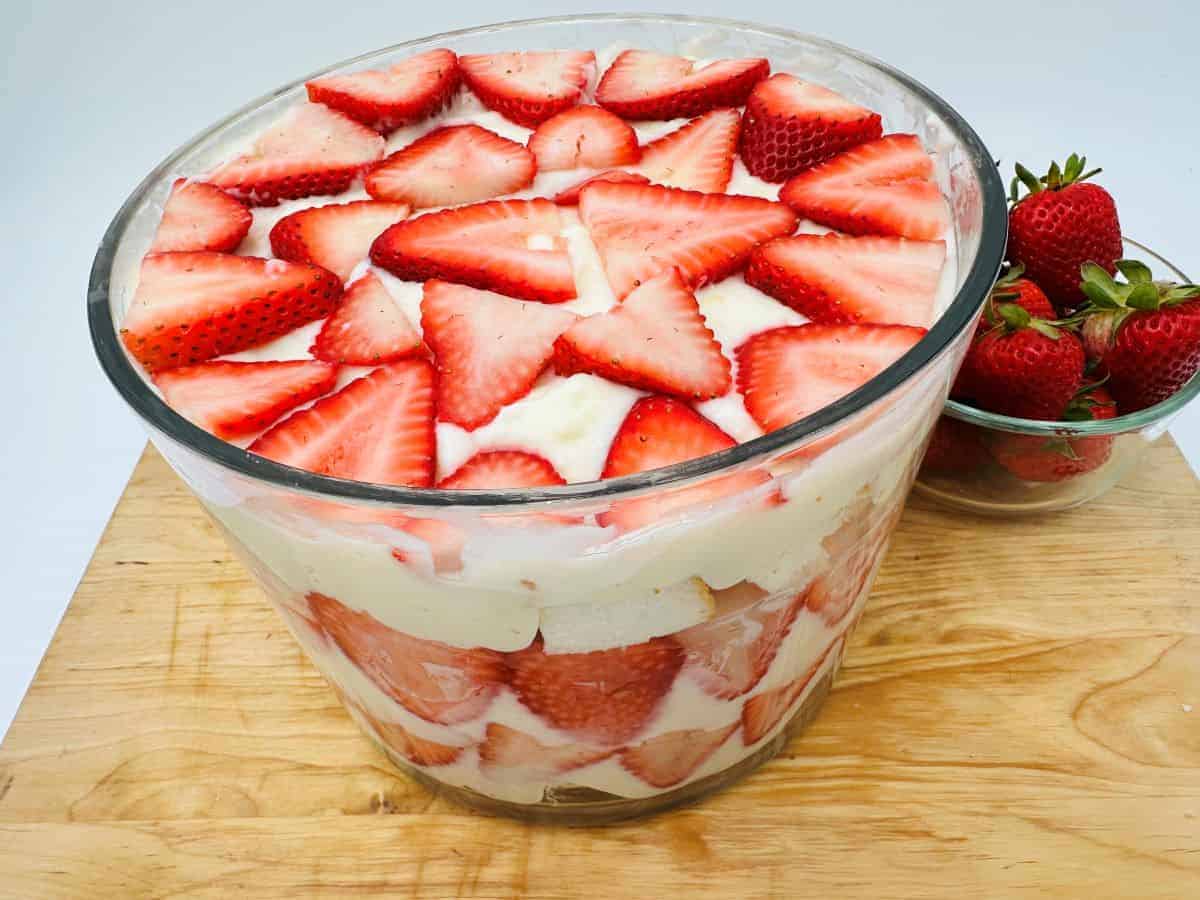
x=1059 y=457
x=1063 y=222
x=1144 y=333
x=1023 y=366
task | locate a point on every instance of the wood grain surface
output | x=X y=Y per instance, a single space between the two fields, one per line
x=1018 y=716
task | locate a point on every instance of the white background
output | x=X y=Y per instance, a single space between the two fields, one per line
x=95 y=94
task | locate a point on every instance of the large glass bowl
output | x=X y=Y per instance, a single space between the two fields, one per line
x=511 y=648
x=1004 y=466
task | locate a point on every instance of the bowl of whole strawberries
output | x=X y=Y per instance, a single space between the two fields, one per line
x=1085 y=352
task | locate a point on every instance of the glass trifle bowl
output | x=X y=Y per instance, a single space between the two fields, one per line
x=605 y=648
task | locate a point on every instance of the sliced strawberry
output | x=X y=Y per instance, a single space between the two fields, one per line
x=490 y=349
x=233 y=399
x=528 y=88
x=605 y=697
x=385 y=99
x=312 y=150
x=791 y=125
x=880 y=187
x=367 y=328
x=834 y=279
x=430 y=679
x=696 y=157
x=523 y=758
x=763 y=712
x=337 y=236
x=570 y=196
x=584 y=136
x=444 y=541
x=190 y=307
x=199 y=216
x=510 y=246
x=452 y=165
x=657 y=432
x=502 y=469
x=854 y=549
x=788 y=373
x=728 y=655
x=641 y=84
x=656 y=340
x=642 y=230
x=671 y=758
x=378 y=428
x=416 y=749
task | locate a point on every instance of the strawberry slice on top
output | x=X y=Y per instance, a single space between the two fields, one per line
x=378 y=429
x=788 y=373
x=791 y=125
x=835 y=279
x=513 y=247
x=385 y=99
x=604 y=697
x=337 y=236
x=234 y=399
x=880 y=187
x=584 y=136
x=452 y=165
x=570 y=196
x=502 y=469
x=661 y=431
x=656 y=340
x=199 y=216
x=642 y=230
x=490 y=349
x=190 y=307
x=312 y=150
x=528 y=88
x=367 y=328
x=642 y=84
x=697 y=156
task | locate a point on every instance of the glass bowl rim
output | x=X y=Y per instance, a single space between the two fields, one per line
x=957 y=317
x=1134 y=421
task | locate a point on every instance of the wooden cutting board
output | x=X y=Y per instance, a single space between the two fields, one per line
x=1019 y=715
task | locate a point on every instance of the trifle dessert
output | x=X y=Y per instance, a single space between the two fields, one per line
x=498 y=359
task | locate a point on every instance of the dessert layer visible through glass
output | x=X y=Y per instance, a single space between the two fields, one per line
x=520 y=649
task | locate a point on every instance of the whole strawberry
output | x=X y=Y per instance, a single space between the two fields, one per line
x=955 y=448
x=1144 y=333
x=1023 y=367
x=1013 y=287
x=1062 y=223
x=1034 y=458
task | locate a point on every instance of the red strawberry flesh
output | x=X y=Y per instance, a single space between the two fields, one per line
x=791 y=125
x=337 y=236
x=378 y=428
x=605 y=697
x=655 y=340
x=312 y=150
x=642 y=230
x=384 y=99
x=642 y=84
x=513 y=247
x=452 y=165
x=190 y=307
x=698 y=156
x=235 y=399
x=528 y=88
x=367 y=328
x=489 y=349
x=585 y=136
x=199 y=216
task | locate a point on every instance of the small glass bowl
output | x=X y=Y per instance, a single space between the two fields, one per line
x=1073 y=462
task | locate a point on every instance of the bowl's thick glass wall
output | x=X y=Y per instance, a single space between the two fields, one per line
x=804 y=508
